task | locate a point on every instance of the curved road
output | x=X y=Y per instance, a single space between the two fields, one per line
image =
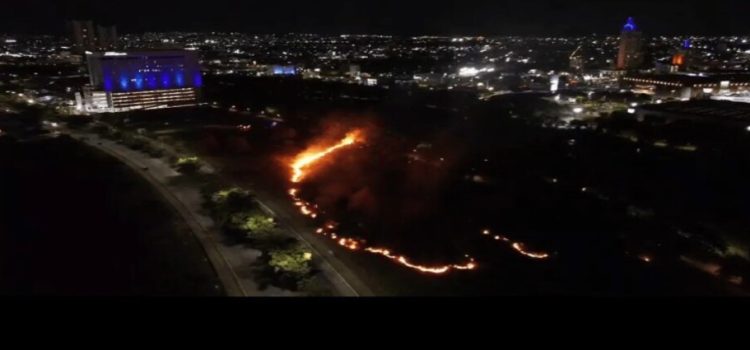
x=232 y=263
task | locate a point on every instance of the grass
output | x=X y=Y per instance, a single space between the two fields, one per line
x=81 y=223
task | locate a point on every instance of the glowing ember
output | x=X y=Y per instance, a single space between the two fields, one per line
x=310 y=157
x=520 y=248
x=299 y=171
x=517 y=246
x=428 y=269
x=349 y=243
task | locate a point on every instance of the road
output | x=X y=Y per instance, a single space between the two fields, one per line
x=232 y=262
x=344 y=280
x=337 y=272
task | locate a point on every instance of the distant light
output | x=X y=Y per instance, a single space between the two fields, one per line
x=631 y=110
x=634 y=104
x=748 y=128
x=30 y=101
x=468 y=71
x=112 y=53
x=578 y=110
x=659 y=101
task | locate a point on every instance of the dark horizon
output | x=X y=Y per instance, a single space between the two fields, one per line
x=468 y=17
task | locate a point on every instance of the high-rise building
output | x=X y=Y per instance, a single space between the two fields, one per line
x=82 y=34
x=107 y=36
x=122 y=81
x=630 y=55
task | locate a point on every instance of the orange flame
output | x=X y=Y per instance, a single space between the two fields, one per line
x=438 y=270
x=519 y=247
x=311 y=156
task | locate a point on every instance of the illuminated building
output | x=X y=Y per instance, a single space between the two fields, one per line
x=687 y=86
x=630 y=55
x=282 y=70
x=554 y=81
x=122 y=81
x=678 y=59
x=82 y=35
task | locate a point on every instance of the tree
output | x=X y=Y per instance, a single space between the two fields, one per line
x=293 y=261
x=260 y=224
x=187 y=165
x=253 y=224
x=233 y=200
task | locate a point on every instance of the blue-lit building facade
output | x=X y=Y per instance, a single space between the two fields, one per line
x=282 y=70
x=122 y=81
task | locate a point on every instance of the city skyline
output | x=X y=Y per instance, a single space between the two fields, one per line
x=473 y=17
x=338 y=149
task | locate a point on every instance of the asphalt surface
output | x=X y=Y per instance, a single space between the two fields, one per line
x=232 y=262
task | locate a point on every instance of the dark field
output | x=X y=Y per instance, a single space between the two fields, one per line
x=599 y=204
x=77 y=222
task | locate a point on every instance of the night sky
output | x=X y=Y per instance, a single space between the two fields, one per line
x=406 y=17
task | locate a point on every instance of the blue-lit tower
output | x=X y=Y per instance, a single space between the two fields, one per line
x=630 y=55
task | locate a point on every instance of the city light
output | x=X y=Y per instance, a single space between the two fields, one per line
x=468 y=72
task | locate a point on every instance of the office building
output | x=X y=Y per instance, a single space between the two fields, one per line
x=83 y=35
x=630 y=54
x=687 y=86
x=106 y=36
x=122 y=81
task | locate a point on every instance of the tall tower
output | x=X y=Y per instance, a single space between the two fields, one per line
x=630 y=55
x=107 y=36
x=83 y=35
